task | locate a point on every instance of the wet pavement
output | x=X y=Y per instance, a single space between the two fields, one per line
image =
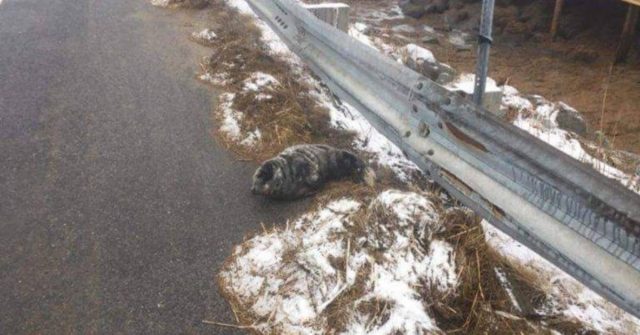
x=117 y=207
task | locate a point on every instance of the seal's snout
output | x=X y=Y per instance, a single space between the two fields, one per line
x=254 y=190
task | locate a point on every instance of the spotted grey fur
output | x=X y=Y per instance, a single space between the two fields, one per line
x=302 y=170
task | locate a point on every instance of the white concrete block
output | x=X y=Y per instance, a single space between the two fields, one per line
x=335 y=14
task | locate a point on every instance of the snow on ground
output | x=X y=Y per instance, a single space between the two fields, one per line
x=230 y=121
x=537 y=116
x=216 y=79
x=159 y=3
x=569 y=297
x=289 y=278
x=539 y=119
x=295 y=278
x=466 y=83
x=258 y=81
x=205 y=35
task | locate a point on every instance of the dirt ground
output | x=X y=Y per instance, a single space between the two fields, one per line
x=574 y=68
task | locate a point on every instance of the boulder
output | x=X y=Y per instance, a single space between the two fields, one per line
x=571 y=120
x=418 y=8
x=422 y=60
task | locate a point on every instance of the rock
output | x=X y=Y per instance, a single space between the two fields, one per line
x=437 y=6
x=404 y=28
x=418 y=8
x=413 y=8
x=422 y=61
x=570 y=119
x=430 y=39
x=461 y=41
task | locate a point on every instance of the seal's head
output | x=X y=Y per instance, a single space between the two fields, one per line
x=268 y=179
x=350 y=165
x=353 y=166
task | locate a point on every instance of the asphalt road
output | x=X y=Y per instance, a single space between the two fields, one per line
x=117 y=207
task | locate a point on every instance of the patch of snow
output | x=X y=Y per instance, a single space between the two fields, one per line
x=217 y=79
x=263 y=96
x=230 y=117
x=466 y=84
x=230 y=120
x=289 y=276
x=158 y=3
x=361 y=27
x=418 y=54
x=512 y=99
x=206 y=35
x=360 y=35
x=441 y=272
x=539 y=119
x=404 y=207
x=502 y=277
x=252 y=138
x=258 y=81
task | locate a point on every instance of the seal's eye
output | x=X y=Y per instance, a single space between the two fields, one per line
x=266 y=172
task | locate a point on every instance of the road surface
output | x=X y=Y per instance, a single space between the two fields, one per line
x=117 y=207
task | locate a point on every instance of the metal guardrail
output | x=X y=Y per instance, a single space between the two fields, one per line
x=583 y=222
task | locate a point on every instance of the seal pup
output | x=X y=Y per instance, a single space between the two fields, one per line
x=301 y=170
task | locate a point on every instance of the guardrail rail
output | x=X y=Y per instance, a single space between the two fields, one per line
x=583 y=222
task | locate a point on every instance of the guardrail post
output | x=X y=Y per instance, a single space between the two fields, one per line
x=484 y=40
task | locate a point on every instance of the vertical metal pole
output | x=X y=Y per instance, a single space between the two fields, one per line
x=484 y=41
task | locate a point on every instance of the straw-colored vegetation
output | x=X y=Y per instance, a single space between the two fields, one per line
x=480 y=305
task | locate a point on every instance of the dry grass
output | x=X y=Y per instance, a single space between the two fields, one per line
x=480 y=305
x=622 y=160
x=291 y=116
x=191 y=4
